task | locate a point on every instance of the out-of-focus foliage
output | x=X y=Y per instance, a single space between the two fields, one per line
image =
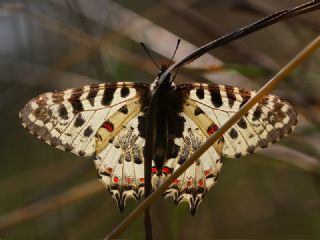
x=48 y=45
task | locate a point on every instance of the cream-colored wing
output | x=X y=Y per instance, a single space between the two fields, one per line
x=69 y=119
x=119 y=160
x=265 y=123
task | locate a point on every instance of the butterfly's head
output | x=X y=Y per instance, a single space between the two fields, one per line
x=167 y=82
x=163 y=68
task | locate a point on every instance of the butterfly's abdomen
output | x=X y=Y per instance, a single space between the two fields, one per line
x=168 y=124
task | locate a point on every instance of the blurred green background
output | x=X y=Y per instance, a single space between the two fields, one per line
x=49 y=45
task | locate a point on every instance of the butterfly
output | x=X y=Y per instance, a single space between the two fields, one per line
x=108 y=121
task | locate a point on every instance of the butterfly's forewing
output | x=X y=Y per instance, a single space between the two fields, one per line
x=69 y=119
x=265 y=123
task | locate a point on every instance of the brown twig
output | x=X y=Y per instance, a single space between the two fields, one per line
x=37 y=208
x=266 y=89
x=248 y=29
x=205 y=26
x=148 y=154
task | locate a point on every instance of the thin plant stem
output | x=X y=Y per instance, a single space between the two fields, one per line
x=266 y=89
x=62 y=199
x=253 y=27
x=148 y=153
x=148 y=224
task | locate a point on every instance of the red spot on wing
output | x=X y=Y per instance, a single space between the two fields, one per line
x=212 y=129
x=207 y=172
x=154 y=170
x=116 y=179
x=109 y=170
x=189 y=183
x=129 y=180
x=141 y=180
x=200 y=183
x=166 y=170
x=176 y=181
x=108 y=126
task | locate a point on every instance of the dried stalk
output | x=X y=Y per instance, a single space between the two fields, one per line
x=76 y=193
x=266 y=89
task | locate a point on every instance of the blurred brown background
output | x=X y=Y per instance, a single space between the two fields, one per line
x=48 y=45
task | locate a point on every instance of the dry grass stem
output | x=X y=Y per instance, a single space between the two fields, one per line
x=37 y=208
x=266 y=89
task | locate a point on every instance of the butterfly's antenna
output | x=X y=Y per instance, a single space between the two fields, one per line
x=149 y=55
x=174 y=53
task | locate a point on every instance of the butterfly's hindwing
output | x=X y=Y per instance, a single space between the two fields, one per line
x=265 y=123
x=69 y=119
x=192 y=185
x=120 y=162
